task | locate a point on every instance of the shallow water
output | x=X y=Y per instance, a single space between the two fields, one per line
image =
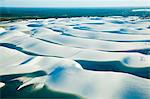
x=28 y=92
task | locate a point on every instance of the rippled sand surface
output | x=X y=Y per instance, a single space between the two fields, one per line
x=84 y=57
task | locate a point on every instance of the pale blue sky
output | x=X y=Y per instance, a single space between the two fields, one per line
x=74 y=3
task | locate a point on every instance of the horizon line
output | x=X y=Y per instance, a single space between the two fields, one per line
x=79 y=7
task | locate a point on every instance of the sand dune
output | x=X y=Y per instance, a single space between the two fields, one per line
x=90 y=57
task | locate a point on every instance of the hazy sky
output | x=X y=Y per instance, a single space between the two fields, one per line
x=74 y=3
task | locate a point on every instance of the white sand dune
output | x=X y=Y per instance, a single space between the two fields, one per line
x=102 y=35
x=2 y=84
x=137 y=10
x=66 y=75
x=92 y=84
x=93 y=57
x=92 y=44
x=39 y=47
x=2 y=30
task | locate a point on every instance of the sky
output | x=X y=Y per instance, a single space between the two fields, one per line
x=75 y=3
